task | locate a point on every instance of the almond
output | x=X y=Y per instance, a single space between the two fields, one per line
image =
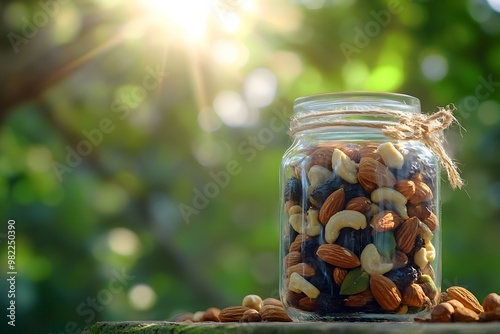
x=292 y=259
x=302 y=269
x=211 y=314
x=333 y=204
x=296 y=245
x=274 y=313
x=360 y=204
x=490 y=302
x=399 y=259
x=272 y=301
x=431 y=221
x=360 y=299
x=442 y=313
x=321 y=157
x=406 y=234
x=251 y=315
x=373 y=174
x=406 y=188
x=463 y=314
x=493 y=315
x=352 y=151
x=232 y=313
x=385 y=292
x=423 y=192
x=338 y=256
x=386 y=220
x=339 y=275
x=308 y=304
x=413 y=295
x=369 y=151
x=465 y=297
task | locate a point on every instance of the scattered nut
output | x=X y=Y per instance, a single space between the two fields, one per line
x=252 y=301
x=274 y=313
x=251 y=315
x=442 y=313
x=491 y=302
x=465 y=297
x=232 y=313
x=463 y=314
x=211 y=314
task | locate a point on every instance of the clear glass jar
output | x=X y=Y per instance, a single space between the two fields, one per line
x=360 y=212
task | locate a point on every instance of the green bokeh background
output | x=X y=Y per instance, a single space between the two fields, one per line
x=118 y=210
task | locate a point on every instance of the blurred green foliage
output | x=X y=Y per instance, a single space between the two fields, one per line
x=119 y=209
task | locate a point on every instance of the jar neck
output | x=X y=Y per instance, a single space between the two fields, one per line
x=319 y=113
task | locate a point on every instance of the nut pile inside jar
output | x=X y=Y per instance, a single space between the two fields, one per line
x=361 y=225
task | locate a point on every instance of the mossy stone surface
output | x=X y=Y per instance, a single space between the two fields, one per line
x=165 y=327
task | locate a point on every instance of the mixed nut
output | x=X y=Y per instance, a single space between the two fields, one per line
x=359 y=230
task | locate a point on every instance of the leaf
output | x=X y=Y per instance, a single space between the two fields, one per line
x=355 y=281
x=385 y=243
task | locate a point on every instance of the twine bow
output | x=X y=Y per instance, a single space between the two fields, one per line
x=411 y=126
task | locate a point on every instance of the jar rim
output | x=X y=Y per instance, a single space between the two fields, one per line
x=356 y=100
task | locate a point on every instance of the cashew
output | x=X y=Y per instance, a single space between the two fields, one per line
x=388 y=195
x=300 y=284
x=425 y=231
x=344 y=218
x=374 y=209
x=392 y=157
x=431 y=251
x=295 y=209
x=401 y=210
x=372 y=262
x=317 y=175
x=344 y=166
x=420 y=258
x=313 y=226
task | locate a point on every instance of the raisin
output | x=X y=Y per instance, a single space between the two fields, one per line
x=321 y=193
x=353 y=190
x=354 y=240
x=404 y=276
x=293 y=190
x=419 y=243
x=329 y=303
x=309 y=249
x=323 y=278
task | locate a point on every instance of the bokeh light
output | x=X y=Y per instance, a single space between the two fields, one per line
x=123 y=241
x=434 y=67
x=142 y=297
x=260 y=88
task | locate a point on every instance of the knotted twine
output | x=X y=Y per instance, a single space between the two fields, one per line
x=409 y=126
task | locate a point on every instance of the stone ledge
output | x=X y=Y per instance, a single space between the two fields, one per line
x=165 y=327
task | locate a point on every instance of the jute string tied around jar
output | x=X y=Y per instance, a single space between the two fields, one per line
x=408 y=126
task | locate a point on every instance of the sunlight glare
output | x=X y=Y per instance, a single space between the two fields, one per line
x=494 y=4
x=189 y=16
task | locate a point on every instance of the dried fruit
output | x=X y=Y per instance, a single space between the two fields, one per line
x=403 y=277
x=385 y=292
x=465 y=297
x=355 y=281
x=321 y=193
x=293 y=190
x=406 y=234
x=338 y=256
x=333 y=204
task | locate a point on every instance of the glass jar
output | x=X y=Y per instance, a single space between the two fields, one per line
x=360 y=212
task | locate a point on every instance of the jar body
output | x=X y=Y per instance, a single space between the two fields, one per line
x=360 y=220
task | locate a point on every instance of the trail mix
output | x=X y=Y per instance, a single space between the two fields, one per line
x=360 y=230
